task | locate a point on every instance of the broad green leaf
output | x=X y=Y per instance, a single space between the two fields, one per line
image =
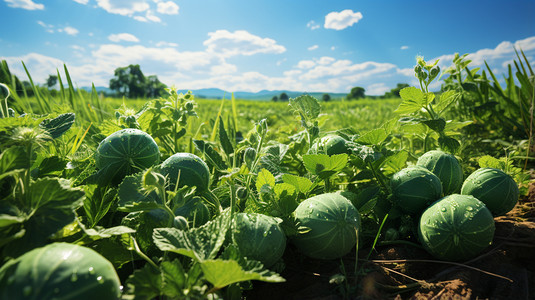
x=366 y=199
x=264 y=177
x=102 y=233
x=448 y=143
x=428 y=98
x=324 y=165
x=452 y=126
x=307 y=106
x=413 y=100
x=287 y=197
x=174 y=278
x=224 y=139
x=13 y=158
x=488 y=161
x=8 y=220
x=221 y=273
x=367 y=154
x=50 y=206
x=395 y=162
x=133 y=197
x=51 y=165
x=445 y=100
x=98 y=202
x=301 y=184
x=199 y=243
x=272 y=158
x=373 y=137
x=437 y=125
x=59 y=125
x=144 y=283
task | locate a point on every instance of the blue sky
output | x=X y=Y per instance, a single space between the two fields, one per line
x=312 y=46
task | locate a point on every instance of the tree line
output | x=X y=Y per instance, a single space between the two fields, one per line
x=130 y=82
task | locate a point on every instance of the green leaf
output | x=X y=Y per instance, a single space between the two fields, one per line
x=264 y=177
x=12 y=159
x=102 y=233
x=366 y=199
x=367 y=154
x=133 y=197
x=49 y=207
x=199 y=243
x=448 y=143
x=395 y=162
x=174 y=278
x=221 y=273
x=223 y=138
x=59 y=125
x=491 y=162
x=301 y=184
x=212 y=157
x=324 y=165
x=373 y=137
x=8 y=220
x=52 y=165
x=413 y=100
x=144 y=283
x=287 y=197
x=307 y=106
x=437 y=125
x=428 y=98
x=445 y=100
x=98 y=202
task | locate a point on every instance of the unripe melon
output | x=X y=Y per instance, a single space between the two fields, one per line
x=493 y=187
x=59 y=271
x=126 y=152
x=193 y=171
x=456 y=228
x=415 y=188
x=259 y=237
x=446 y=167
x=332 y=223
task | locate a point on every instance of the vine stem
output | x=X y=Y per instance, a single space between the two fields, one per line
x=440 y=262
x=143 y=255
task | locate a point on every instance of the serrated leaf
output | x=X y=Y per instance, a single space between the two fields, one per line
x=428 y=98
x=324 y=165
x=366 y=199
x=97 y=203
x=264 y=177
x=367 y=154
x=413 y=100
x=301 y=184
x=49 y=207
x=395 y=162
x=144 y=283
x=307 y=106
x=445 y=100
x=59 y=125
x=173 y=277
x=13 y=158
x=199 y=243
x=373 y=137
x=221 y=273
x=286 y=197
x=491 y=162
x=133 y=197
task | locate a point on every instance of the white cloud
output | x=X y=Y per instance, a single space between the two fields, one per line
x=404 y=47
x=166 y=44
x=341 y=20
x=127 y=37
x=167 y=8
x=24 y=4
x=240 y=42
x=49 y=28
x=306 y=64
x=69 y=30
x=81 y=1
x=325 y=60
x=314 y=47
x=377 y=89
x=123 y=7
x=313 y=25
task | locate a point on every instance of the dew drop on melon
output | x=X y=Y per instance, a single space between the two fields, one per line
x=332 y=222
x=456 y=228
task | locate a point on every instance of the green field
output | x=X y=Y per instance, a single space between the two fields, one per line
x=60 y=184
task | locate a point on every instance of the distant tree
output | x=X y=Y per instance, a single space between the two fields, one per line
x=129 y=82
x=395 y=91
x=356 y=93
x=284 y=97
x=51 y=81
x=154 y=87
x=275 y=99
x=326 y=97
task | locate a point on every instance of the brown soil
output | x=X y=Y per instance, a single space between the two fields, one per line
x=506 y=270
